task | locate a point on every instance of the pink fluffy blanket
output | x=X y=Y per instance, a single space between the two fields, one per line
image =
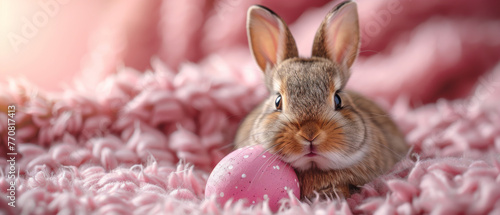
x=143 y=138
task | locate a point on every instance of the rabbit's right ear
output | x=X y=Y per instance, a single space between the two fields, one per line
x=269 y=38
x=338 y=37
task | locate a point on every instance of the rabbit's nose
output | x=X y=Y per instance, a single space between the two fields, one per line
x=309 y=138
x=309 y=131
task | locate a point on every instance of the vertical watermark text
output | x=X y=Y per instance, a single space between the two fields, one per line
x=11 y=155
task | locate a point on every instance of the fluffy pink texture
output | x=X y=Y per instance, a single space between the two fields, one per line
x=117 y=146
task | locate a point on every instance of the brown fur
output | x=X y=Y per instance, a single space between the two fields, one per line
x=353 y=144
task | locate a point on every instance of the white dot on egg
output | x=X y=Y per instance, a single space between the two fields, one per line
x=253 y=202
x=230 y=167
x=277 y=167
x=235 y=187
x=221 y=194
x=246 y=156
x=264 y=156
x=286 y=188
x=243 y=176
x=266 y=196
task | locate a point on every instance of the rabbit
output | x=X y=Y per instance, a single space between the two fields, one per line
x=335 y=139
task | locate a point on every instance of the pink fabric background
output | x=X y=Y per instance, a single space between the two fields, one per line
x=164 y=85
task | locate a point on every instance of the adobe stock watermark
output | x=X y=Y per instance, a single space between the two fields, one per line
x=485 y=86
x=31 y=26
x=380 y=19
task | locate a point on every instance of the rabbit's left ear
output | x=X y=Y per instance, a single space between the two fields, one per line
x=269 y=38
x=338 y=36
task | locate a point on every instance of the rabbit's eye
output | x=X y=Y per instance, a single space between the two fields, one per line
x=277 y=102
x=337 y=101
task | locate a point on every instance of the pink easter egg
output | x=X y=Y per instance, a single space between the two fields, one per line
x=253 y=174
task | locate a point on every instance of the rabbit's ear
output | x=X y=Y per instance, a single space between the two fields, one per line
x=338 y=36
x=269 y=38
